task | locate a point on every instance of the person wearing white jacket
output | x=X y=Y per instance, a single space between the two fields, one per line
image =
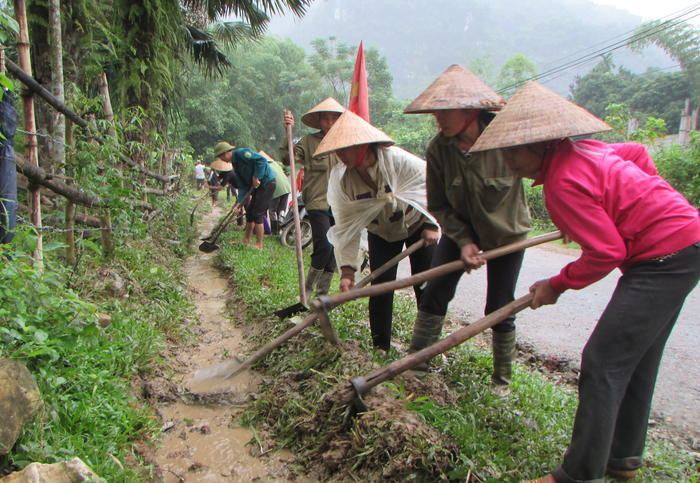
x=379 y=187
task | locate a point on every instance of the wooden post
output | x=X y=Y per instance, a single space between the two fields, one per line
x=29 y=122
x=56 y=147
x=70 y=234
x=70 y=206
x=684 y=128
x=107 y=244
x=297 y=223
x=107 y=103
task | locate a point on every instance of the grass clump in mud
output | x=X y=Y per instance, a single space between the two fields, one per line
x=447 y=426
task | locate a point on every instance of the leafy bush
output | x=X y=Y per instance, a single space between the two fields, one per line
x=538 y=212
x=85 y=373
x=680 y=166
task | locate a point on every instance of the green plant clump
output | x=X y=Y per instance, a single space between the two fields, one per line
x=85 y=373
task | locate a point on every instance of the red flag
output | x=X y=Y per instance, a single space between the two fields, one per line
x=359 y=94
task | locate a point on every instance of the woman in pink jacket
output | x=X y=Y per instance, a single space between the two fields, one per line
x=611 y=201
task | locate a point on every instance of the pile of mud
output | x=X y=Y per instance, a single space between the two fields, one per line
x=297 y=405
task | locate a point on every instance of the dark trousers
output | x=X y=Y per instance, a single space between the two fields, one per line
x=381 y=306
x=322 y=257
x=277 y=206
x=259 y=201
x=619 y=366
x=501 y=274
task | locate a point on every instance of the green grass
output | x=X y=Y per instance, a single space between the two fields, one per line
x=500 y=438
x=86 y=374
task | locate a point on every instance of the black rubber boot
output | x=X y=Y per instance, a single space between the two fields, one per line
x=324 y=283
x=503 y=345
x=426 y=331
x=312 y=279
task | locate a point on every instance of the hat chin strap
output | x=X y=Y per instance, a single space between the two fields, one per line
x=361 y=155
x=469 y=121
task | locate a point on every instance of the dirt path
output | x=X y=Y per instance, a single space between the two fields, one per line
x=201 y=442
x=561 y=330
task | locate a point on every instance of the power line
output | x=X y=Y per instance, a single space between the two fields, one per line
x=682 y=12
x=609 y=48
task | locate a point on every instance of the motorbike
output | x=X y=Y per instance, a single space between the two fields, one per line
x=287 y=225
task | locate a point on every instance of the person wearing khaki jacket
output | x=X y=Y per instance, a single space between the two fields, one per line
x=315 y=185
x=381 y=188
x=478 y=201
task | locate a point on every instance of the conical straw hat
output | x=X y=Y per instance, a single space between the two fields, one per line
x=456 y=88
x=535 y=114
x=265 y=155
x=350 y=130
x=219 y=165
x=312 y=117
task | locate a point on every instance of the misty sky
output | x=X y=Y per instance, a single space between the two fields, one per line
x=652 y=9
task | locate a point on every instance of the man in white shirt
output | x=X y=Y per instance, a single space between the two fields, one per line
x=199 y=174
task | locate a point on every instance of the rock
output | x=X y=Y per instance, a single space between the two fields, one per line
x=72 y=471
x=104 y=320
x=20 y=400
x=112 y=283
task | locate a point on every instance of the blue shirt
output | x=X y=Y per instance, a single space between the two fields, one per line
x=249 y=164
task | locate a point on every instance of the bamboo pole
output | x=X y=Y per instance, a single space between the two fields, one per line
x=70 y=206
x=107 y=103
x=431 y=274
x=41 y=91
x=443 y=345
x=29 y=123
x=107 y=243
x=57 y=151
x=297 y=223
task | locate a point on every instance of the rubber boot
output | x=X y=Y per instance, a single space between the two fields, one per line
x=324 y=283
x=275 y=227
x=503 y=345
x=312 y=279
x=426 y=331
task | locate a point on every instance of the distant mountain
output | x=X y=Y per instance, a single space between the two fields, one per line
x=421 y=38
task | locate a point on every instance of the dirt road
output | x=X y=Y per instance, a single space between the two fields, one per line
x=562 y=330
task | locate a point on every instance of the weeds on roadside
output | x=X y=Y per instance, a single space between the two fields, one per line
x=85 y=373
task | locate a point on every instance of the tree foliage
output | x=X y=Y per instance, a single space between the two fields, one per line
x=680 y=41
x=652 y=94
x=334 y=61
x=514 y=72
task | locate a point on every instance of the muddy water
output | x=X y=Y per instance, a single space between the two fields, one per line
x=200 y=442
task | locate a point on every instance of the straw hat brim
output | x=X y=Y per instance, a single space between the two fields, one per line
x=219 y=165
x=536 y=114
x=265 y=155
x=312 y=117
x=456 y=88
x=351 y=130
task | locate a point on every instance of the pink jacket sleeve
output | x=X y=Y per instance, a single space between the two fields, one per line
x=574 y=209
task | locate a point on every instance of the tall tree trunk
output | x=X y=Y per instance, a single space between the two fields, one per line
x=107 y=103
x=57 y=151
x=70 y=206
x=29 y=123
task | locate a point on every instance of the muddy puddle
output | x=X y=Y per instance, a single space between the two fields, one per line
x=201 y=441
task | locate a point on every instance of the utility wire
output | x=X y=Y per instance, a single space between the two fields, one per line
x=682 y=12
x=609 y=48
